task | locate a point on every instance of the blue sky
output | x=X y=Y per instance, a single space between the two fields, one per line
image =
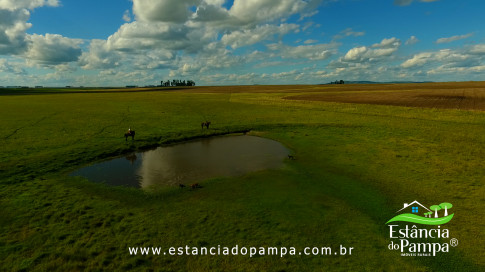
x=217 y=42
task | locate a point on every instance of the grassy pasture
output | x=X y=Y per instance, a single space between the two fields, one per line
x=355 y=166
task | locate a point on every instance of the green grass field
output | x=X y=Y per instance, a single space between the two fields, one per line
x=355 y=166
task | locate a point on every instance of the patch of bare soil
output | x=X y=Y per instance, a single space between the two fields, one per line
x=464 y=96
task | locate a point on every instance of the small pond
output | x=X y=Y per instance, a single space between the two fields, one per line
x=189 y=162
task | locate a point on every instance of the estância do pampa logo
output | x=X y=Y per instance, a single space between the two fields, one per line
x=426 y=241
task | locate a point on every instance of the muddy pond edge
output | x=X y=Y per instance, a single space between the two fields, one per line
x=169 y=141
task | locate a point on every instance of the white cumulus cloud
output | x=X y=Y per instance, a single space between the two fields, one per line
x=348 y=32
x=176 y=11
x=417 y=60
x=478 y=49
x=13 y=25
x=412 y=40
x=13 y=68
x=253 y=11
x=388 y=43
x=14 y=17
x=454 y=38
x=99 y=56
x=246 y=37
x=127 y=16
x=364 y=54
x=305 y=52
x=448 y=58
x=26 y=4
x=52 y=49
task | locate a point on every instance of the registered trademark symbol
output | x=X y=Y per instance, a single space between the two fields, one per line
x=453 y=242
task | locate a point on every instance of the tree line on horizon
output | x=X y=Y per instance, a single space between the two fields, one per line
x=337 y=82
x=177 y=82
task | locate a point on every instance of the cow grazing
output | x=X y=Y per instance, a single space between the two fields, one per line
x=195 y=186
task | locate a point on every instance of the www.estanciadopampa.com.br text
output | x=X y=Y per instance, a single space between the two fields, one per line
x=240 y=251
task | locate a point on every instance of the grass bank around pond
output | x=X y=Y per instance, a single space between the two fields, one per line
x=355 y=165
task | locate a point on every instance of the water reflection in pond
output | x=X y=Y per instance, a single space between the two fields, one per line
x=189 y=162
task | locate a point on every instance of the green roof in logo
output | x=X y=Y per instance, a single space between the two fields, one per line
x=428 y=219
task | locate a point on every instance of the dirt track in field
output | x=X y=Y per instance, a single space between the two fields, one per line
x=461 y=95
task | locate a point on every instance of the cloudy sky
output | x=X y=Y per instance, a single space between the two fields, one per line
x=225 y=42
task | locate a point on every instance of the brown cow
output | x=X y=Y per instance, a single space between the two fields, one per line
x=195 y=186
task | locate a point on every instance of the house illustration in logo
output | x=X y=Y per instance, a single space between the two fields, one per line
x=414 y=207
x=414 y=211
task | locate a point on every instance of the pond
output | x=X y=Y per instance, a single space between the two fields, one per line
x=189 y=162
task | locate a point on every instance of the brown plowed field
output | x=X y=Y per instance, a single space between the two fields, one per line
x=459 y=95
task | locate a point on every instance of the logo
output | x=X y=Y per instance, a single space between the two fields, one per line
x=431 y=216
x=421 y=241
